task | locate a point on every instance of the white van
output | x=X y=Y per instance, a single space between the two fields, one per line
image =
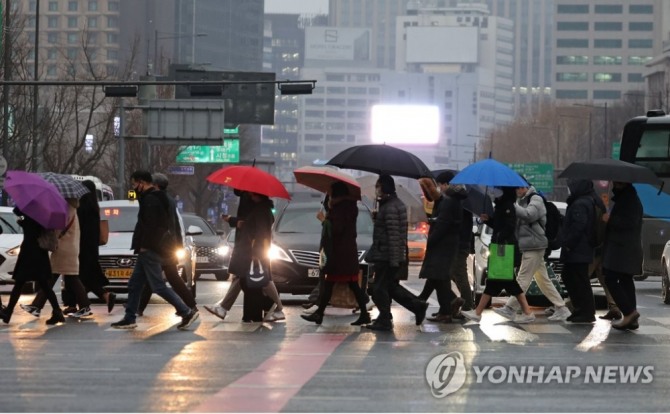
x=104 y=192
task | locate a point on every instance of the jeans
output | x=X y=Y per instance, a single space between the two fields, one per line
x=148 y=270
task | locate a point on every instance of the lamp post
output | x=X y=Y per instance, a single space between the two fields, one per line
x=173 y=36
x=490 y=142
x=605 y=128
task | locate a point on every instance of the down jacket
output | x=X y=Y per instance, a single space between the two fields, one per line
x=531 y=218
x=389 y=235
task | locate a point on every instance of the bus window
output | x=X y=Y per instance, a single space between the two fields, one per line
x=654 y=151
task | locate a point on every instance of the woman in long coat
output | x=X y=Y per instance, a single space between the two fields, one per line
x=341 y=250
x=32 y=265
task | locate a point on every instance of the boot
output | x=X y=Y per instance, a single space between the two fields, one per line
x=56 y=317
x=363 y=319
x=5 y=315
x=316 y=317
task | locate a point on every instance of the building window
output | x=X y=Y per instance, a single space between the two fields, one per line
x=608 y=26
x=113 y=5
x=613 y=95
x=52 y=54
x=32 y=5
x=112 y=38
x=638 y=60
x=92 y=5
x=92 y=22
x=52 y=22
x=640 y=43
x=572 y=43
x=572 y=60
x=31 y=22
x=573 y=9
x=91 y=38
x=641 y=9
x=635 y=77
x=571 y=94
x=53 y=6
x=606 y=77
x=51 y=70
x=52 y=37
x=72 y=53
x=112 y=54
x=72 y=22
x=72 y=38
x=607 y=43
x=641 y=26
x=609 y=8
x=112 y=21
x=569 y=26
x=572 y=77
x=72 y=5
x=607 y=60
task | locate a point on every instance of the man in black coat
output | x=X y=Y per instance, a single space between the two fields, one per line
x=577 y=251
x=152 y=241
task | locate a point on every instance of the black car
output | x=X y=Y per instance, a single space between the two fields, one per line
x=212 y=251
x=296 y=234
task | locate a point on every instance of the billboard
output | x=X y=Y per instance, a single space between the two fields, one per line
x=405 y=124
x=330 y=43
x=434 y=44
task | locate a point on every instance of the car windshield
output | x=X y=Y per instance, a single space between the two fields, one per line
x=121 y=219
x=416 y=237
x=231 y=236
x=207 y=229
x=9 y=225
x=303 y=220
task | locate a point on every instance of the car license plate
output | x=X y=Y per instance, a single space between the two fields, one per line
x=118 y=273
x=312 y=272
x=202 y=259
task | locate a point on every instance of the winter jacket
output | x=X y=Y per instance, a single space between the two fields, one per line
x=389 y=235
x=577 y=227
x=342 y=254
x=531 y=218
x=33 y=261
x=255 y=237
x=623 y=234
x=154 y=220
x=65 y=260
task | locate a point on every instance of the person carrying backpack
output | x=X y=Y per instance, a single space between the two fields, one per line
x=577 y=249
x=531 y=215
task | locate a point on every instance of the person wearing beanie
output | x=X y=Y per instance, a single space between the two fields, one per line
x=388 y=255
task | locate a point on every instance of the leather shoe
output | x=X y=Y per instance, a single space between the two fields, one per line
x=627 y=321
x=611 y=315
x=456 y=305
x=380 y=326
x=307 y=305
x=315 y=317
x=363 y=319
x=440 y=319
x=458 y=316
x=421 y=312
x=111 y=301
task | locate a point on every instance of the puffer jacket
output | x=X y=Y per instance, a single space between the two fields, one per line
x=531 y=219
x=389 y=235
x=578 y=223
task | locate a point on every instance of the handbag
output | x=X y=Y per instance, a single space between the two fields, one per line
x=104 y=232
x=49 y=239
x=342 y=296
x=501 y=261
x=257 y=277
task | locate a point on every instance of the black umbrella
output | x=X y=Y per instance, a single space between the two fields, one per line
x=607 y=169
x=381 y=159
x=478 y=202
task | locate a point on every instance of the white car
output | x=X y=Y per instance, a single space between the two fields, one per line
x=10 y=242
x=665 y=280
x=116 y=258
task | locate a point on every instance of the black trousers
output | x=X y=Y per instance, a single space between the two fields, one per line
x=622 y=289
x=73 y=285
x=177 y=284
x=576 y=279
x=386 y=288
x=324 y=298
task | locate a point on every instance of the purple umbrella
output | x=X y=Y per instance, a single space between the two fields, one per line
x=37 y=198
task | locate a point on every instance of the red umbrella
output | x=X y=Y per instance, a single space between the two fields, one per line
x=321 y=177
x=246 y=178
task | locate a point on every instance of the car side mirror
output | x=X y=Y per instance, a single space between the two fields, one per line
x=220 y=232
x=193 y=230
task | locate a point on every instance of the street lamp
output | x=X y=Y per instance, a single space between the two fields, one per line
x=605 y=128
x=174 y=36
x=490 y=138
x=121 y=92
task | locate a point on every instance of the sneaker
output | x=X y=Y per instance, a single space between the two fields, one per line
x=471 y=315
x=505 y=312
x=269 y=315
x=187 y=320
x=523 y=318
x=124 y=324
x=560 y=314
x=218 y=311
x=278 y=315
x=33 y=310
x=81 y=313
x=550 y=310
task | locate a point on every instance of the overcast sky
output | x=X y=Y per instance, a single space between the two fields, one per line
x=297 y=6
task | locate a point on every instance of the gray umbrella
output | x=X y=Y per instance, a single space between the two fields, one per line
x=607 y=169
x=66 y=185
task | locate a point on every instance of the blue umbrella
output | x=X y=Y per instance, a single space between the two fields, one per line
x=491 y=173
x=477 y=201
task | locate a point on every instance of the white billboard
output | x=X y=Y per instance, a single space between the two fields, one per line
x=405 y=124
x=432 y=44
x=331 y=43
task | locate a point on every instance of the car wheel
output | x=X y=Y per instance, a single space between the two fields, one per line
x=221 y=276
x=665 y=285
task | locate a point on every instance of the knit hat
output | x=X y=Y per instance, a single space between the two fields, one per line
x=387 y=184
x=445 y=177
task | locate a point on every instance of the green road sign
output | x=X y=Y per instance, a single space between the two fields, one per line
x=616 y=150
x=229 y=152
x=541 y=176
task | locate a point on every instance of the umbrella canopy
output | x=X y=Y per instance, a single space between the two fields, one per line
x=381 y=159
x=608 y=169
x=321 y=177
x=67 y=186
x=490 y=173
x=247 y=178
x=478 y=202
x=37 y=198
x=415 y=210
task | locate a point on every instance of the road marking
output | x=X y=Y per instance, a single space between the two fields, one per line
x=270 y=386
x=236 y=327
x=598 y=335
x=546 y=329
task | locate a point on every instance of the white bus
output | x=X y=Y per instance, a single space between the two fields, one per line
x=104 y=192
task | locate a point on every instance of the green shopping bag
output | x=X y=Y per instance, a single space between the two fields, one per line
x=501 y=261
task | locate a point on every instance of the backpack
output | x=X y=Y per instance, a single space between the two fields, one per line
x=597 y=238
x=552 y=229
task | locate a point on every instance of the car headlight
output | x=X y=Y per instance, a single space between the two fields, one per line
x=484 y=252
x=14 y=251
x=223 y=250
x=277 y=253
x=180 y=253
